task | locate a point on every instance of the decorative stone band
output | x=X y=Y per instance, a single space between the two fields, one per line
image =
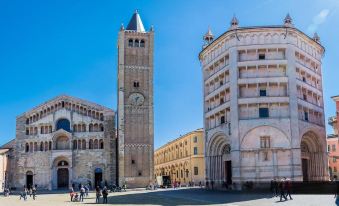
x=137 y=67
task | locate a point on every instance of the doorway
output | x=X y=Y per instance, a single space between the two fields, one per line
x=29 y=179
x=304 y=165
x=228 y=170
x=63 y=178
x=98 y=177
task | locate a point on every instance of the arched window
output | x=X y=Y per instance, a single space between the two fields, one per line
x=75 y=145
x=102 y=117
x=50 y=145
x=63 y=124
x=91 y=127
x=75 y=128
x=96 y=127
x=96 y=144
x=79 y=144
x=42 y=130
x=27 y=121
x=83 y=128
x=27 y=147
x=142 y=43
x=50 y=129
x=130 y=43
x=41 y=146
x=83 y=144
x=136 y=43
x=46 y=146
x=101 y=127
x=90 y=145
x=101 y=144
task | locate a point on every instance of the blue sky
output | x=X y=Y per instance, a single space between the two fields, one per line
x=48 y=48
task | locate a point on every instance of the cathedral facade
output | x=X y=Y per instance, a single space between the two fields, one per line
x=263 y=105
x=62 y=142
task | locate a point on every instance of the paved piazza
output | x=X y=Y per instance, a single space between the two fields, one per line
x=173 y=197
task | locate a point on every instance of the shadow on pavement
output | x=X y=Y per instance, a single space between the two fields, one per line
x=183 y=197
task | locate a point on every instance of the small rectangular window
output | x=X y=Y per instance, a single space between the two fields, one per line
x=265 y=142
x=333 y=148
x=261 y=56
x=196 y=171
x=263 y=112
x=222 y=119
x=306 y=116
x=334 y=159
x=133 y=161
x=195 y=150
x=263 y=92
x=195 y=139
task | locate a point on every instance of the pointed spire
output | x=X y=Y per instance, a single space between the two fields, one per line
x=152 y=28
x=208 y=37
x=316 y=37
x=122 y=27
x=234 y=22
x=288 y=20
x=135 y=24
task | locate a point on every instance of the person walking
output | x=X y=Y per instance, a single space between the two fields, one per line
x=104 y=195
x=34 y=192
x=97 y=194
x=288 y=188
x=23 y=194
x=282 y=189
x=72 y=193
x=86 y=190
x=82 y=193
x=336 y=196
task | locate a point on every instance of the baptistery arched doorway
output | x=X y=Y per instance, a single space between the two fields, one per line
x=312 y=157
x=219 y=164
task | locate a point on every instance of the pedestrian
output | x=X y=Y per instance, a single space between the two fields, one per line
x=71 y=193
x=82 y=193
x=23 y=194
x=207 y=184
x=276 y=187
x=288 y=188
x=79 y=186
x=200 y=185
x=282 y=189
x=104 y=195
x=86 y=190
x=34 y=192
x=212 y=184
x=97 y=194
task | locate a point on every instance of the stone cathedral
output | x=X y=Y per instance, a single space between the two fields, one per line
x=68 y=141
x=135 y=103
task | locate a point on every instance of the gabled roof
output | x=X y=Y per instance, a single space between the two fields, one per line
x=8 y=145
x=135 y=24
x=72 y=99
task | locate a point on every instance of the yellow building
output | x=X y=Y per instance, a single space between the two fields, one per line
x=182 y=159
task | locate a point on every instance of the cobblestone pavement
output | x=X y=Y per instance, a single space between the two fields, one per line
x=173 y=197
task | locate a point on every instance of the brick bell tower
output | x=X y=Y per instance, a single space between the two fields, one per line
x=135 y=104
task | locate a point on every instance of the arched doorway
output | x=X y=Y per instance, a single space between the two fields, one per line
x=62 y=174
x=97 y=177
x=312 y=157
x=29 y=179
x=219 y=164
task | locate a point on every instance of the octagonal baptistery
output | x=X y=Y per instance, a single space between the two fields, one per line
x=263 y=105
x=64 y=142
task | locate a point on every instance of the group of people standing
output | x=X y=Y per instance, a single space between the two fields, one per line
x=282 y=188
x=83 y=192
x=30 y=190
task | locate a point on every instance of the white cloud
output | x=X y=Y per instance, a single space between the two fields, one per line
x=319 y=19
